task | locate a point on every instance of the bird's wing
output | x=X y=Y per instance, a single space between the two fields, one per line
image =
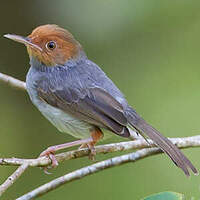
x=94 y=106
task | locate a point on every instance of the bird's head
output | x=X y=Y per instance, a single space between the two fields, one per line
x=50 y=45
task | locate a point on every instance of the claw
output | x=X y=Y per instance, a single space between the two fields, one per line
x=54 y=162
x=45 y=171
x=51 y=156
x=92 y=155
x=83 y=146
x=96 y=135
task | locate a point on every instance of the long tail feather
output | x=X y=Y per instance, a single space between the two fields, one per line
x=162 y=142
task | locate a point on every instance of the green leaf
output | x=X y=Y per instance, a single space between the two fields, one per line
x=165 y=196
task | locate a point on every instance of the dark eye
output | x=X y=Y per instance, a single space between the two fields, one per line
x=51 y=45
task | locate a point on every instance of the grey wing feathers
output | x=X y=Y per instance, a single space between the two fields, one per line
x=96 y=107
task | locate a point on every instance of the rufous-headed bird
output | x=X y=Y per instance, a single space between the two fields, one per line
x=77 y=97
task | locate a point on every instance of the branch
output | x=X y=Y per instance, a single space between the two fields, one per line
x=85 y=171
x=11 y=179
x=12 y=81
x=148 y=149
x=186 y=142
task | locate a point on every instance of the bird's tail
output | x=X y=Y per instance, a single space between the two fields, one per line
x=162 y=142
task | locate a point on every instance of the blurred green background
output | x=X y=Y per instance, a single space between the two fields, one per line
x=150 y=49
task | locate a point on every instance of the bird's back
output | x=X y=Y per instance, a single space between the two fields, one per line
x=74 y=76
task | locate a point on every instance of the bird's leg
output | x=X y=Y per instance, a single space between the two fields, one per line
x=50 y=151
x=96 y=135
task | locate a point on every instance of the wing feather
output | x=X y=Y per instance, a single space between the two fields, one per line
x=96 y=107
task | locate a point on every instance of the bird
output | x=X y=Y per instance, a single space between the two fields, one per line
x=78 y=98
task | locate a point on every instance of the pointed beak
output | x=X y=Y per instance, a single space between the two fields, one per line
x=23 y=40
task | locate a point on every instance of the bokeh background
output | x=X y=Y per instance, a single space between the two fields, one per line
x=151 y=49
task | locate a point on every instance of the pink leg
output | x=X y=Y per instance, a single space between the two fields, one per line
x=52 y=149
x=96 y=135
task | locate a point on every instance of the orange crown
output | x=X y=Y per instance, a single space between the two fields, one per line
x=50 y=44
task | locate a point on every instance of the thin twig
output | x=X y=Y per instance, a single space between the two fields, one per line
x=13 y=81
x=186 y=142
x=11 y=179
x=20 y=170
x=85 y=171
x=193 y=141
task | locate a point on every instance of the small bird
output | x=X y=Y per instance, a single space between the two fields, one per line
x=77 y=97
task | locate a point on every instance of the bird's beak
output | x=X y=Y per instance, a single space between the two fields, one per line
x=23 y=40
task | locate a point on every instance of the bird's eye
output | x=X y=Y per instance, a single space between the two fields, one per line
x=51 y=45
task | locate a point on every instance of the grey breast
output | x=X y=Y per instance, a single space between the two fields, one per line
x=61 y=120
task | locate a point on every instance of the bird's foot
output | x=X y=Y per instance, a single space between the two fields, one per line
x=96 y=135
x=93 y=153
x=91 y=148
x=50 y=153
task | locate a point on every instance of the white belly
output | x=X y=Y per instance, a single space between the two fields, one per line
x=61 y=120
x=65 y=122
